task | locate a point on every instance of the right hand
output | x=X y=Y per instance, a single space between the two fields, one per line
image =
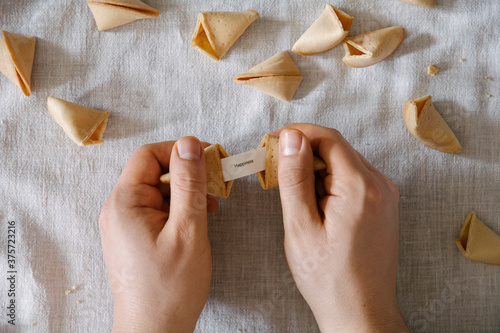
x=341 y=242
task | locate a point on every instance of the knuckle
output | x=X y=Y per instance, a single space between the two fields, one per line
x=373 y=192
x=143 y=149
x=184 y=233
x=293 y=178
x=394 y=188
x=335 y=133
x=108 y=213
x=188 y=182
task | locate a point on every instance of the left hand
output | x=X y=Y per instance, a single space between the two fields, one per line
x=157 y=252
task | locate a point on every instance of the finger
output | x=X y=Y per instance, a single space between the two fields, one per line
x=136 y=184
x=379 y=174
x=188 y=188
x=332 y=147
x=165 y=207
x=368 y=165
x=212 y=203
x=164 y=189
x=296 y=182
x=147 y=164
x=320 y=186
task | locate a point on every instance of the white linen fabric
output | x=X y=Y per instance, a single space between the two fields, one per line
x=157 y=88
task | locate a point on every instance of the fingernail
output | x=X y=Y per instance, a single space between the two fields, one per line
x=189 y=149
x=290 y=143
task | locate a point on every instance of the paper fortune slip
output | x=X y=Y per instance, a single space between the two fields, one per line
x=244 y=164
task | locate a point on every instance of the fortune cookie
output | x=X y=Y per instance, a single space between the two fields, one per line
x=427 y=126
x=16 y=59
x=423 y=3
x=110 y=14
x=277 y=76
x=372 y=47
x=269 y=177
x=325 y=33
x=478 y=242
x=216 y=32
x=216 y=185
x=83 y=125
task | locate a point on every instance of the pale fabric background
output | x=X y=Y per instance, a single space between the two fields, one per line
x=159 y=88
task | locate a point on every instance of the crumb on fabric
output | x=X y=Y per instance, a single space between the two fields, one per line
x=432 y=70
x=67 y=291
x=79 y=302
x=489 y=95
x=74 y=287
x=488 y=78
x=88 y=295
x=461 y=60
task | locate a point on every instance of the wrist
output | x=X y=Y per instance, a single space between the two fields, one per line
x=147 y=318
x=364 y=320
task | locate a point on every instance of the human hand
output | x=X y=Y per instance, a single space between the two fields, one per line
x=341 y=242
x=156 y=251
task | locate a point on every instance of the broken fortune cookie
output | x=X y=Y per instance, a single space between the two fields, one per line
x=216 y=32
x=427 y=126
x=83 y=125
x=216 y=185
x=110 y=14
x=423 y=3
x=331 y=27
x=278 y=77
x=268 y=178
x=372 y=47
x=478 y=242
x=16 y=59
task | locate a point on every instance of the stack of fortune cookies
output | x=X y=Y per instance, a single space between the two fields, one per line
x=268 y=178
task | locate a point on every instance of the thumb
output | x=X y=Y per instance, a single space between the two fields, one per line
x=296 y=182
x=188 y=188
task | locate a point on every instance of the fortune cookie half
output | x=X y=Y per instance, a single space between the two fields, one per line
x=277 y=76
x=83 y=125
x=110 y=14
x=216 y=185
x=16 y=59
x=427 y=126
x=331 y=27
x=372 y=47
x=478 y=242
x=269 y=177
x=423 y=3
x=216 y=32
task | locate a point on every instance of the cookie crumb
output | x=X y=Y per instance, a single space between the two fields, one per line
x=88 y=295
x=432 y=70
x=67 y=292
x=79 y=302
x=33 y=324
x=489 y=95
x=74 y=287
x=461 y=60
x=488 y=78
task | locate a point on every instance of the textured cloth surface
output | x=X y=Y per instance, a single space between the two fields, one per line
x=156 y=87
